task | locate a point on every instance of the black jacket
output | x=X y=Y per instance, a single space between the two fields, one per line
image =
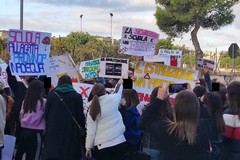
x=62 y=138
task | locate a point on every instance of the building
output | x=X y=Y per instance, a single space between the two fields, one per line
x=3 y=34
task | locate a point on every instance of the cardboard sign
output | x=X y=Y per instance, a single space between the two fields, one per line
x=84 y=89
x=138 y=42
x=88 y=69
x=29 y=52
x=202 y=63
x=62 y=65
x=113 y=68
x=160 y=75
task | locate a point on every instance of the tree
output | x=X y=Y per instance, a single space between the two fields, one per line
x=164 y=44
x=175 y=17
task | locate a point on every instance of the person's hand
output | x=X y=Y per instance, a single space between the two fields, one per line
x=189 y=87
x=120 y=81
x=162 y=93
x=88 y=154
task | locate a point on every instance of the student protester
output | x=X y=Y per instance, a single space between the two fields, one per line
x=105 y=129
x=63 y=139
x=32 y=122
x=185 y=137
x=213 y=104
x=131 y=117
x=10 y=124
x=2 y=123
x=231 y=116
x=154 y=114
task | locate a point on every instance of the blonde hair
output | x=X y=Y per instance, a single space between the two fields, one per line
x=185 y=118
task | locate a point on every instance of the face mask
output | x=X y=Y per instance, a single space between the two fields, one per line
x=123 y=102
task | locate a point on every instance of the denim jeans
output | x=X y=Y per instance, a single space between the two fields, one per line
x=154 y=153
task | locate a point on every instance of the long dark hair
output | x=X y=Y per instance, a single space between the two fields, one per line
x=95 y=109
x=155 y=113
x=234 y=97
x=34 y=93
x=131 y=97
x=214 y=106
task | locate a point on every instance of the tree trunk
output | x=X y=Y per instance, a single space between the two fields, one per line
x=198 y=50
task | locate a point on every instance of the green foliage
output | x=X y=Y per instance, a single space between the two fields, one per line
x=177 y=16
x=164 y=44
x=3 y=48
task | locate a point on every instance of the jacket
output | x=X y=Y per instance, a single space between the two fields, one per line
x=2 y=119
x=231 y=139
x=131 y=118
x=109 y=123
x=34 y=120
x=173 y=148
x=62 y=136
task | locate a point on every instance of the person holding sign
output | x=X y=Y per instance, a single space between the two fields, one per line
x=105 y=128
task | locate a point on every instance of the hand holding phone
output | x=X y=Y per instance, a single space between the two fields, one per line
x=175 y=88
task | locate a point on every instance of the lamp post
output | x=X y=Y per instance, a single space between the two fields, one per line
x=111 y=15
x=21 y=14
x=81 y=21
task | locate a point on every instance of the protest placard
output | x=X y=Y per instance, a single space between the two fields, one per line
x=202 y=63
x=29 y=52
x=62 y=65
x=138 y=42
x=84 y=89
x=89 y=69
x=147 y=76
x=172 y=57
x=113 y=67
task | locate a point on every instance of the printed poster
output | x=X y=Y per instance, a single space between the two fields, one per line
x=29 y=52
x=172 y=57
x=147 y=76
x=138 y=42
x=114 y=67
x=89 y=69
x=202 y=63
x=62 y=65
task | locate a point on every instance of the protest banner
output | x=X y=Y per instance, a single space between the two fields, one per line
x=172 y=57
x=3 y=73
x=84 y=89
x=147 y=76
x=114 y=67
x=138 y=42
x=202 y=63
x=29 y=52
x=156 y=58
x=88 y=69
x=62 y=65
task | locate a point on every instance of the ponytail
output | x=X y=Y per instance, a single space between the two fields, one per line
x=95 y=109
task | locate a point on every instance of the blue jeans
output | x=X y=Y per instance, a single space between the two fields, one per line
x=154 y=153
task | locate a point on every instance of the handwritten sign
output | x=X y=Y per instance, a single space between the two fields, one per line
x=83 y=89
x=88 y=69
x=202 y=63
x=29 y=51
x=62 y=65
x=113 y=67
x=159 y=75
x=138 y=42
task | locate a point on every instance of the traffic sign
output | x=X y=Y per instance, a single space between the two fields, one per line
x=233 y=50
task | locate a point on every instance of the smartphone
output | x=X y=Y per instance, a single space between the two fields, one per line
x=175 y=88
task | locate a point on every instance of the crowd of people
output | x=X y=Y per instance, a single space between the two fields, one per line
x=201 y=123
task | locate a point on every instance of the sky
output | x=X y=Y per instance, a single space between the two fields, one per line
x=60 y=17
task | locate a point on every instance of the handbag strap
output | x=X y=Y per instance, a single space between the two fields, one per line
x=61 y=100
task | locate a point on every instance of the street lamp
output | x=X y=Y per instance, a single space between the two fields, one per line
x=111 y=15
x=21 y=15
x=81 y=21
